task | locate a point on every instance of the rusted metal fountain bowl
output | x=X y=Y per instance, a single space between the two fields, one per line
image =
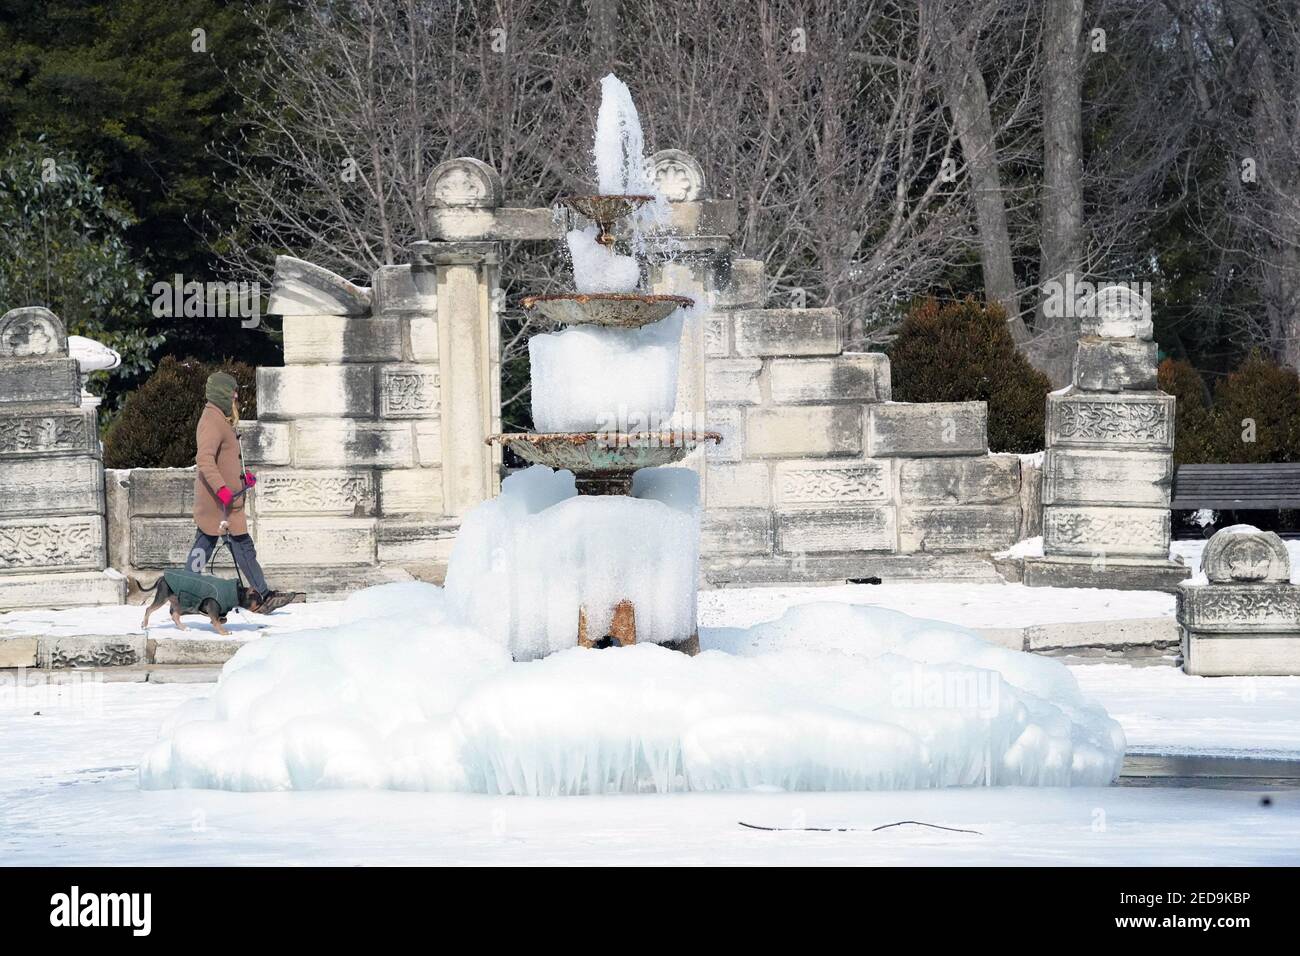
x=603 y=462
x=604 y=211
x=623 y=310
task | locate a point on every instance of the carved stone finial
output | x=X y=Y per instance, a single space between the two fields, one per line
x=1243 y=554
x=302 y=288
x=1117 y=311
x=463 y=182
x=31 y=332
x=678 y=175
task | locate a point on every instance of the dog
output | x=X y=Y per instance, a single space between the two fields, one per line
x=163 y=594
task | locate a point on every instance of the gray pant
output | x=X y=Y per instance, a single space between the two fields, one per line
x=245 y=555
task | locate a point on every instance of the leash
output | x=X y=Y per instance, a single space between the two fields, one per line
x=225 y=536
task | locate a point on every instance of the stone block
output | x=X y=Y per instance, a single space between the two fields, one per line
x=120 y=650
x=930 y=429
x=342 y=443
x=1115 y=365
x=303 y=288
x=428 y=443
x=746 y=287
x=1097 y=477
x=195 y=650
x=1126 y=574
x=798 y=431
x=405 y=290
x=733 y=381
x=49 y=589
x=17 y=651
x=831 y=483
x=301 y=391
x=416 y=543
x=422 y=333
x=510 y=223
x=729 y=422
x=29 y=431
x=1240 y=608
x=51 y=486
x=161 y=492
x=1096 y=420
x=800 y=530
x=852 y=377
x=760 y=333
x=958 y=527
x=1105 y=532
x=291 y=491
x=335 y=339
x=744 y=485
x=717 y=335
x=408 y=391
x=829 y=568
x=56 y=544
x=736 y=531
x=1031 y=496
x=987 y=479
x=165 y=542
x=1116 y=634
x=265 y=443
x=1251 y=655
x=316 y=541
x=410 y=491
x=36 y=381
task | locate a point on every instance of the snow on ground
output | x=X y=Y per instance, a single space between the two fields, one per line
x=124 y=619
x=69 y=796
x=966 y=605
x=1164 y=711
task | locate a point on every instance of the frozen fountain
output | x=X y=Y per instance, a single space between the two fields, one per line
x=490 y=685
x=615 y=362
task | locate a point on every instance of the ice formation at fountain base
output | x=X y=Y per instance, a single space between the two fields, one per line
x=403 y=695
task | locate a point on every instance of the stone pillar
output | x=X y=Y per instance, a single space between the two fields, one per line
x=1108 y=468
x=1244 y=620
x=52 y=528
x=469 y=346
x=691 y=256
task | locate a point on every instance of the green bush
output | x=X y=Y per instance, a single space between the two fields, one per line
x=1257 y=413
x=1255 y=416
x=1193 y=422
x=156 y=426
x=964 y=352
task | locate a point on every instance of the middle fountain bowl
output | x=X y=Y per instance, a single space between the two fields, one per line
x=619 y=310
x=603 y=462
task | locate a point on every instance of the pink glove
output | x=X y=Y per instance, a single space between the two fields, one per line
x=250 y=479
x=224 y=496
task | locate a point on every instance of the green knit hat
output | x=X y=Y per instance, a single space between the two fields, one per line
x=221 y=390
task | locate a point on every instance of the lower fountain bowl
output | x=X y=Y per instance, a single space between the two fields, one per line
x=620 y=310
x=604 y=462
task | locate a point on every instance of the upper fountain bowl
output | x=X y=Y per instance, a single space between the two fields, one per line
x=620 y=310
x=604 y=211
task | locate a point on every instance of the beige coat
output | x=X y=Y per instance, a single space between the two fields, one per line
x=217 y=464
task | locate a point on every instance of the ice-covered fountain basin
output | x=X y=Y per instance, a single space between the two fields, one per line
x=595 y=452
x=587 y=378
x=404 y=695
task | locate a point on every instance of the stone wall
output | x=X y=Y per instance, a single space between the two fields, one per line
x=52 y=531
x=820 y=476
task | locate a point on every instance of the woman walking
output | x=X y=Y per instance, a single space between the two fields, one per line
x=221 y=484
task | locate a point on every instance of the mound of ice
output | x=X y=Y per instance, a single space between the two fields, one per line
x=829 y=697
x=598 y=268
x=586 y=377
x=525 y=562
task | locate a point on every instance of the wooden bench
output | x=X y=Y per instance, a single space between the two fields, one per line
x=1236 y=487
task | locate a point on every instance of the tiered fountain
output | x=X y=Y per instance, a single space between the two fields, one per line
x=616 y=361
